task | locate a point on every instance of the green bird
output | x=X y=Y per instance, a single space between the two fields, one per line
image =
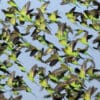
x=39 y=55
x=84 y=39
x=13 y=13
x=20 y=66
x=60 y=87
x=79 y=31
x=69 y=50
x=95 y=26
x=53 y=78
x=3 y=77
x=64 y=2
x=89 y=93
x=5 y=34
x=44 y=7
x=58 y=73
x=12 y=3
x=70 y=15
x=66 y=84
x=92 y=14
x=10 y=13
x=10 y=79
x=15 y=36
x=92 y=71
x=81 y=71
x=62 y=33
x=40 y=22
x=19 y=85
x=84 y=70
x=51 y=91
x=7 y=63
x=53 y=17
x=72 y=60
x=35 y=34
x=49 y=51
x=41 y=72
x=97 y=40
x=44 y=83
x=25 y=13
x=83 y=50
x=83 y=20
x=31 y=74
x=13 y=57
x=18 y=81
x=53 y=59
x=3 y=69
x=3 y=47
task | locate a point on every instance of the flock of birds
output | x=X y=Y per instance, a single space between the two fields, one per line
x=69 y=82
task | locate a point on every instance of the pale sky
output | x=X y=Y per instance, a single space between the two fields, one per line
x=29 y=61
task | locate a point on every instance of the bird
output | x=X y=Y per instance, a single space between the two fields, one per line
x=12 y=3
x=53 y=59
x=70 y=15
x=97 y=40
x=40 y=22
x=69 y=50
x=89 y=92
x=3 y=47
x=33 y=71
x=11 y=77
x=24 y=13
x=53 y=17
x=44 y=6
